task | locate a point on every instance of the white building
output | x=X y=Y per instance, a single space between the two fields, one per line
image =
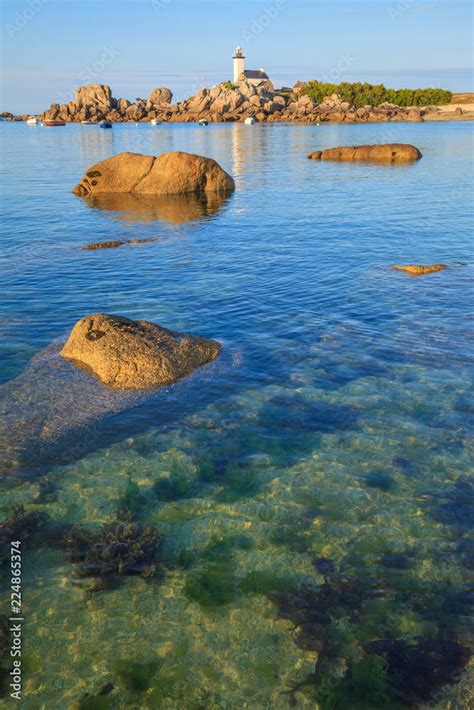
x=257 y=77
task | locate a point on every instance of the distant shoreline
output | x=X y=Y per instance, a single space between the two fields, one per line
x=442 y=115
x=228 y=103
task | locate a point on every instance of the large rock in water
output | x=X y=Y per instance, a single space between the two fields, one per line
x=131 y=354
x=169 y=174
x=420 y=269
x=388 y=153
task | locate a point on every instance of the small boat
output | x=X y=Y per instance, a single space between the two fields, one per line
x=155 y=122
x=105 y=124
x=203 y=122
x=54 y=122
x=249 y=121
x=89 y=123
x=32 y=121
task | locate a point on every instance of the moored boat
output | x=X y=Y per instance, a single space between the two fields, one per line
x=249 y=121
x=105 y=124
x=89 y=123
x=53 y=122
x=203 y=122
x=154 y=122
x=32 y=121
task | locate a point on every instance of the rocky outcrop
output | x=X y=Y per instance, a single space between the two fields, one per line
x=231 y=102
x=169 y=174
x=94 y=95
x=95 y=102
x=388 y=153
x=419 y=269
x=128 y=354
x=157 y=98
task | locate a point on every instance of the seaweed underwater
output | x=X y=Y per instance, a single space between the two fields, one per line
x=372 y=665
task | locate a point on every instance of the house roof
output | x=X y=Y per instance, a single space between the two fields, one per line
x=255 y=74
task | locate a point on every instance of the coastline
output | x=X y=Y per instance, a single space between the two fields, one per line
x=438 y=114
x=229 y=103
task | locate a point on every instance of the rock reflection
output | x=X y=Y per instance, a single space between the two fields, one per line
x=176 y=209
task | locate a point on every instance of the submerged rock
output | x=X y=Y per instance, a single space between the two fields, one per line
x=103 y=245
x=50 y=413
x=129 y=354
x=388 y=153
x=419 y=269
x=54 y=412
x=174 y=173
x=114 y=244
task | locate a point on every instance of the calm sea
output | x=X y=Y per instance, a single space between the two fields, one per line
x=311 y=487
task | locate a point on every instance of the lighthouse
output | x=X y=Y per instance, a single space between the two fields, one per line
x=239 y=64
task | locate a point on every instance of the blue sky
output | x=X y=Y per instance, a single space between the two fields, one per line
x=51 y=46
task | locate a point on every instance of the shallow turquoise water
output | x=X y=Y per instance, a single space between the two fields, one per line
x=322 y=464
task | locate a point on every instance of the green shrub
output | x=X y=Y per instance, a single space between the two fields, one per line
x=358 y=94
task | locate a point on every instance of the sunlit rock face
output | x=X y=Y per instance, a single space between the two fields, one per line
x=388 y=153
x=419 y=269
x=175 y=173
x=129 y=354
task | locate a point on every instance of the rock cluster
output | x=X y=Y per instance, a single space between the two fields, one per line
x=129 y=354
x=96 y=103
x=175 y=173
x=225 y=102
x=385 y=153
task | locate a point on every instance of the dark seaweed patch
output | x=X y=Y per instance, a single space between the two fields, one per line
x=396 y=561
x=325 y=566
x=238 y=483
x=412 y=669
x=294 y=412
x=118 y=549
x=47 y=491
x=100 y=701
x=455 y=507
x=131 y=500
x=381 y=480
x=134 y=675
x=418 y=668
x=461 y=603
x=212 y=587
x=175 y=487
x=19 y=525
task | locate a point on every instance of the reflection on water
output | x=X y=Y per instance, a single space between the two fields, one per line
x=176 y=209
x=292 y=526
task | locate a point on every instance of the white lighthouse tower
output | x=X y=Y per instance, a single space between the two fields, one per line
x=239 y=63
